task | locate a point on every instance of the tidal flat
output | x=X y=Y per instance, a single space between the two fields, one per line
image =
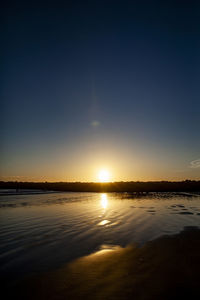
x=100 y=246
x=165 y=268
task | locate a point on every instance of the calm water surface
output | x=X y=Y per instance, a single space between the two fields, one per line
x=40 y=232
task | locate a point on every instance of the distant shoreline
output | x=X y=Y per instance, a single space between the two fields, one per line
x=130 y=187
x=22 y=192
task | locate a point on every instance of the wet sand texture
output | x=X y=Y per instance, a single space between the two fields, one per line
x=166 y=268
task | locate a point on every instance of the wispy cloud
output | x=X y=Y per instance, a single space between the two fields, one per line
x=195 y=164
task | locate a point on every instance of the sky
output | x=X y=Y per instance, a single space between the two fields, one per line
x=91 y=85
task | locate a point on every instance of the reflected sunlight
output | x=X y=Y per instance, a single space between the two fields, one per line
x=104 y=201
x=104 y=222
x=105 y=249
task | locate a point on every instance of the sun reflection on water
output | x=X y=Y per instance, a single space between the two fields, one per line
x=105 y=249
x=104 y=201
x=104 y=222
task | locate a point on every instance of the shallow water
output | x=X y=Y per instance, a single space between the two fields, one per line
x=41 y=232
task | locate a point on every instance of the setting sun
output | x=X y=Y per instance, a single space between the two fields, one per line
x=104 y=176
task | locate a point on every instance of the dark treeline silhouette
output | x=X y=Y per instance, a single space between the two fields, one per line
x=131 y=186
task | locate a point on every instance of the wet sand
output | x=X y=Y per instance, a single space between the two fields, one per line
x=166 y=268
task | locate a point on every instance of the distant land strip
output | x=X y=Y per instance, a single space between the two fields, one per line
x=130 y=186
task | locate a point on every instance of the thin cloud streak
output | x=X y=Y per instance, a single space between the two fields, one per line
x=195 y=164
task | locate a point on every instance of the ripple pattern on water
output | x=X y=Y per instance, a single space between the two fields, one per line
x=40 y=232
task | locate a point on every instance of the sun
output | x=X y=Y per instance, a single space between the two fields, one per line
x=104 y=175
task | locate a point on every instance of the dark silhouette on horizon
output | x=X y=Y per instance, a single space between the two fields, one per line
x=130 y=186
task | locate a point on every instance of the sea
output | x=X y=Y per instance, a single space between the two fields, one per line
x=41 y=231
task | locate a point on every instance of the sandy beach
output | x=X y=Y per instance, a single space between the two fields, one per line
x=165 y=268
x=100 y=150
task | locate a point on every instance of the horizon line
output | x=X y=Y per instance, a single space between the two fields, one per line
x=98 y=182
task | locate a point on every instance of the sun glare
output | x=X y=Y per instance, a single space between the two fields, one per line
x=104 y=201
x=104 y=176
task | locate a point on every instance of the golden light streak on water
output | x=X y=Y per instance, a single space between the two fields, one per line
x=104 y=201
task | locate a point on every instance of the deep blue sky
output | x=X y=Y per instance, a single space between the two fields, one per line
x=101 y=84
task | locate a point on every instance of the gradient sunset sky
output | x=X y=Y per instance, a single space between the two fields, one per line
x=88 y=85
